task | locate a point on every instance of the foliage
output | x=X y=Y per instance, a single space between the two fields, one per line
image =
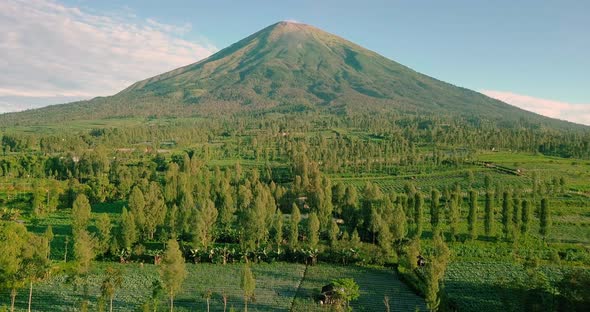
x=248 y=285
x=346 y=290
x=172 y=270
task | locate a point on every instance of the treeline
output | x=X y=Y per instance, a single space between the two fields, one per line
x=269 y=133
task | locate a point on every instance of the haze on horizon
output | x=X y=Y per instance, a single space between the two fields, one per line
x=60 y=51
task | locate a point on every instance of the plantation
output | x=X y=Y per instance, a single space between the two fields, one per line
x=280 y=287
x=290 y=207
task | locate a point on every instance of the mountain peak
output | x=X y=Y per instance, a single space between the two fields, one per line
x=290 y=22
x=288 y=27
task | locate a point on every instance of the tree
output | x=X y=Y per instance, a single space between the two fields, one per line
x=49 y=238
x=83 y=252
x=333 y=232
x=103 y=224
x=127 y=229
x=516 y=214
x=112 y=281
x=434 y=270
x=84 y=255
x=345 y=291
x=224 y=299
x=35 y=262
x=418 y=213
x=155 y=210
x=526 y=217
x=350 y=209
x=207 y=295
x=172 y=270
x=472 y=216
x=172 y=221
x=294 y=228
x=254 y=221
x=489 y=214
x=37 y=201
x=507 y=214
x=80 y=214
x=248 y=285
x=398 y=223
x=12 y=237
x=313 y=230
x=205 y=226
x=323 y=197
x=137 y=207
x=434 y=210
x=157 y=292
x=385 y=240
x=226 y=205
x=544 y=218
x=453 y=216
x=23 y=258
x=278 y=228
x=374 y=223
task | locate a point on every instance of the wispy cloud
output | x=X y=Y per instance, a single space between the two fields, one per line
x=51 y=52
x=574 y=112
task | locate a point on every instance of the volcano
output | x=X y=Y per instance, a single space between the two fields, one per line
x=287 y=67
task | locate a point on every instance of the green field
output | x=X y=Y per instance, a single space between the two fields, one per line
x=279 y=287
x=492 y=286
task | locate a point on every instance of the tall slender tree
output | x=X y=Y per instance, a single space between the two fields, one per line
x=172 y=270
x=127 y=229
x=294 y=226
x=137 y=207
x=248 y=285
x=434 y=271
x=418 y=213
x=526 y=217
x=206 y=218
x=453 y=217
x=507 y=215
x=472 y=216
x=399 y=223
x=489 y=214
x=516 y=214
x=313 y=230
x=155 y=210
x=80 y=214
x=435 y=210
x=112 y=281
x=278 y=228
x=544 y=218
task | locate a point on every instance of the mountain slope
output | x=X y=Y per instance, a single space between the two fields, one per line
x=285 y=67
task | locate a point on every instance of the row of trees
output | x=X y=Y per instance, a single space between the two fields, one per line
x=242 y=209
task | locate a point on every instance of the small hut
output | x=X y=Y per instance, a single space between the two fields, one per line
x=329 y=295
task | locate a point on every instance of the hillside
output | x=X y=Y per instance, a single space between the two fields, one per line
x=286 y=67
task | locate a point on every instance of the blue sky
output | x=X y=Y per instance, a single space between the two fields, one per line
x=533 y=54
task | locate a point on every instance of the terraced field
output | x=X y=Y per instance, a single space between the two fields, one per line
x=279 y=287
x=491 y=286
x=435 y=180
x=375 y=285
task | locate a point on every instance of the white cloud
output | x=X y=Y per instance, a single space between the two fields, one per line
x=574 y=112
x=50 y=52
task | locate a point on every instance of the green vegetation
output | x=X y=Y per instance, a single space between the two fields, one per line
x=266 y=205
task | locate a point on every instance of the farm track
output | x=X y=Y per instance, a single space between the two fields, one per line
x=297 y=292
